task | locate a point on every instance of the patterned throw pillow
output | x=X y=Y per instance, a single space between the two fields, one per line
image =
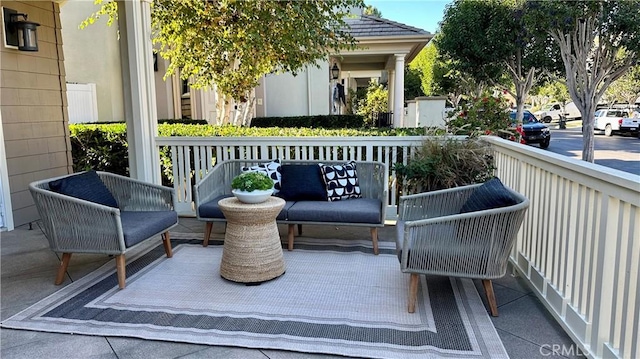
x=271 y=169
x=341 y=181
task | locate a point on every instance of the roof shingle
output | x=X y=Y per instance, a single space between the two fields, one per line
x=367 y=26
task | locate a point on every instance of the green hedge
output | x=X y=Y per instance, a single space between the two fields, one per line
x=103 y=147
x=319 y=121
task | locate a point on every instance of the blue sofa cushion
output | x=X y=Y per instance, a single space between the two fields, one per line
x=302 y=183
x=212 y=210
x=138 y=226
x=87 y=186
x=491 y=194
x=341 y=181
x=359 y=210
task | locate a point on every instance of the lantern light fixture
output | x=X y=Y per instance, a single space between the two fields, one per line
x=19 y=31
x=335 y=71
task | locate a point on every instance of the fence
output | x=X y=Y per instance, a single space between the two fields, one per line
x=580 y=245
x=82 y=103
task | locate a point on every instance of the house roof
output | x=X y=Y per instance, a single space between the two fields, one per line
x=372 y=26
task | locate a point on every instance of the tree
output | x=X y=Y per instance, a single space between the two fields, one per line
x=375 y=101
x=412 y=83
x=486 y=38
x=626 y=89
x=424 y=63
x=372 y=10
x=599 y=43
x=230 y=44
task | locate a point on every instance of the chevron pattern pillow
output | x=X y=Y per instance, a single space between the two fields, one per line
x=341 y=181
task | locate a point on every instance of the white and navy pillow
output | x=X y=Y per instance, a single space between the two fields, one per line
x=271 y=169
x=341 y=181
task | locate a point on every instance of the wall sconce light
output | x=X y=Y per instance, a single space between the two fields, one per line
x=19 y=31
x=335 y=71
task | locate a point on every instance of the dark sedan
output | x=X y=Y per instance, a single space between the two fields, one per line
x=534 y=130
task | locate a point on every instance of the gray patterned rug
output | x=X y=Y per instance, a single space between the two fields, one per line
x=336 y=297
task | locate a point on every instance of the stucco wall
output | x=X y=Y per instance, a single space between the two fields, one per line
x=92 y=55
x=34 y=117
x=430 y=111
x=305 y=94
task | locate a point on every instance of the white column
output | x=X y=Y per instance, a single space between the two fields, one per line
x=398 y=92
x=139 y=89
x=6 y=210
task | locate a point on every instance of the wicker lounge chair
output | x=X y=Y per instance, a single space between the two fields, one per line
x=446 y=233
x=99 y=212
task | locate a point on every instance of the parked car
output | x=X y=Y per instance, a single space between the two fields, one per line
x=534 y=130
x=553 y=112
x=611 y=120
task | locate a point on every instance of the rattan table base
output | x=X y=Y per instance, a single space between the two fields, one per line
x=252 y=250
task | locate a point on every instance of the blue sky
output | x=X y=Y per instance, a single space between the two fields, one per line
x=423 y=14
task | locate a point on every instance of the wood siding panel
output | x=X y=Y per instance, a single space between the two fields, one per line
x=34 y=120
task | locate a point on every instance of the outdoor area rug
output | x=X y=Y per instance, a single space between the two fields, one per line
x=335 y=297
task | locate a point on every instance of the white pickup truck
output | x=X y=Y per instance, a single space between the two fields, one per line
x=615 y=121
x=553 y=111
x=630 y=124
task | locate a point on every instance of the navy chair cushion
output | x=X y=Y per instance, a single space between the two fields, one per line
x=87 y=186
x=302 y=183
x=357 y=210
x=140 y=225
x=491 y=194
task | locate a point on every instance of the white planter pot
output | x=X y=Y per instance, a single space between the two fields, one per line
x=257 y=196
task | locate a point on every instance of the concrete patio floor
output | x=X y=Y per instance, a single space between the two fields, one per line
x=28 y=270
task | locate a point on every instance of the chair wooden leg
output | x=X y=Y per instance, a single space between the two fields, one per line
x=121 y=269
x=299 y=229
x=374 y=239
x=62 y=270
x=413 y=291
x=491 y=297
x=207 y=233
x=290 y=237
x=166 y=240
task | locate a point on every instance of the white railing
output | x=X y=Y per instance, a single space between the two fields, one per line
x=580 y=245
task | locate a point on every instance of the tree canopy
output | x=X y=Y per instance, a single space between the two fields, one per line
x=599 y=42
x=488 y=39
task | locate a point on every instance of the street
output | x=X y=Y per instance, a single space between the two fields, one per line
x=621 y=152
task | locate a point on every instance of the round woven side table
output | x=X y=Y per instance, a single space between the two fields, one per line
x=252 y=251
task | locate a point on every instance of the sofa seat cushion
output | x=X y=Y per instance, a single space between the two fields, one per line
x=140 y=225
x=359 y=210
x=87 y=186
x=212 y=210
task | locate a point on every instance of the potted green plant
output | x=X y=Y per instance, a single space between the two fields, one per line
x=252 y=187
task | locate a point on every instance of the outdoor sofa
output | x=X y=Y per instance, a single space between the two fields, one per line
x=303 y=185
